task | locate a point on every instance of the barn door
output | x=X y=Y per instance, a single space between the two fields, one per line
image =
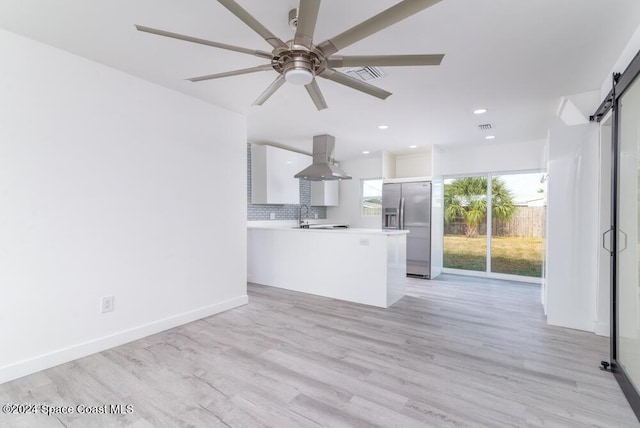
x=626 y=322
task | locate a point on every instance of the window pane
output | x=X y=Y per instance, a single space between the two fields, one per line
x=372 y=197
x=465 y=217
x=518 y=224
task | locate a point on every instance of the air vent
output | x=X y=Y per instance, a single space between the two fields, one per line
x=366 y=73
x=485 y=127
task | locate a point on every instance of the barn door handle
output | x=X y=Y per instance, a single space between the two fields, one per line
x=604 y=240
x=625 y=241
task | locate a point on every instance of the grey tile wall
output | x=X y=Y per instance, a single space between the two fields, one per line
x=282 y=212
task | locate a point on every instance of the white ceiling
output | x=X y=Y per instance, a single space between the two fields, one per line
x=515 y=57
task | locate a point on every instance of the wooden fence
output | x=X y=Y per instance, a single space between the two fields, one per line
x=526 y=222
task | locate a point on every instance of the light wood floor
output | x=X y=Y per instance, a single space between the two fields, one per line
x=449 y=354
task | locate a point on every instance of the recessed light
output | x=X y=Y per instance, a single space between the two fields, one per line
x=480 y=111
x=412 y=147
x=289 y=162
x=490 y=137
x=366 y=152
x=383 y=127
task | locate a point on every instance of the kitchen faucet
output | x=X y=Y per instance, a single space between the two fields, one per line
x=300 y=222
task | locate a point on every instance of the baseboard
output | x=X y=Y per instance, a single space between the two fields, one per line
x=61 y=356
x=603 y=329
x=562 y=321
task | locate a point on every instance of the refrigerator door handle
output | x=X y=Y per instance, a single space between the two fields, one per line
x=401 y=215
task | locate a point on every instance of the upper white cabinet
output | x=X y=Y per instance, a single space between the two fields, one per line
x=272 y=171
x=325 y=193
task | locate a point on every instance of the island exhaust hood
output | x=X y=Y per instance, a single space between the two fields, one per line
x=323 y=167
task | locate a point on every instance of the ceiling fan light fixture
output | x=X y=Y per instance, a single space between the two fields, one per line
x=298 y=76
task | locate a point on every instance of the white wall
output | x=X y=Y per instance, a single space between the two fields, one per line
x=481 y=159
x=573 y=228
x=349 y=210
x=110 y=186
x=388 y=165
x=413 y=165
x=628 y=53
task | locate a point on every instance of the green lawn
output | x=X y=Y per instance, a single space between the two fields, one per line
x=512 y=255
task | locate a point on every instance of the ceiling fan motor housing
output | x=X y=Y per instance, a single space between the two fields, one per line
x=297 y=61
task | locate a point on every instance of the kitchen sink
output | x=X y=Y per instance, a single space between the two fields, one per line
x=323 y=226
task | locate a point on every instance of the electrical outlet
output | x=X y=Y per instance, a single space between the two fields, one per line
x=106 y=304
x=315 y=215
x=364 y=242
x=272 y=216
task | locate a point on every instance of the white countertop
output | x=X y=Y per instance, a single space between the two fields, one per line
x=350 y=230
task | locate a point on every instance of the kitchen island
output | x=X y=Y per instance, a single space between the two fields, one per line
x=358 y=265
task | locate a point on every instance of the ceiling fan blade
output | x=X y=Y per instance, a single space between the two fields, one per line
x=316 y=95
x=255 y=25
x=307 y=18
x=269 y=91
x=384 y=19
x=232 y=73
x=343 y=79
x=261 y=54
x=338 y=61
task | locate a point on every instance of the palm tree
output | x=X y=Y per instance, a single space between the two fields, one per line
x=466 y=198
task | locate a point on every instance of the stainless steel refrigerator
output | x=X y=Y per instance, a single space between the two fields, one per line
x=407 y=206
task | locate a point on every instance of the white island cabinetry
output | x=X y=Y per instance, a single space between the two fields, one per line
x=358 y=265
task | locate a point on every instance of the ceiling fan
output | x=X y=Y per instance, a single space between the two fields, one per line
x=300 y=61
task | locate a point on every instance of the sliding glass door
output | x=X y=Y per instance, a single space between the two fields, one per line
x=518 y=222
x=465 y=228
x=495 y=230
x=628 y=221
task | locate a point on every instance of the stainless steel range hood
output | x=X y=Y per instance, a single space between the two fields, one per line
x=323 y=167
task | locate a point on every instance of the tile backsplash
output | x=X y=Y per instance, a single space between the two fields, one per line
x=282 y=212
